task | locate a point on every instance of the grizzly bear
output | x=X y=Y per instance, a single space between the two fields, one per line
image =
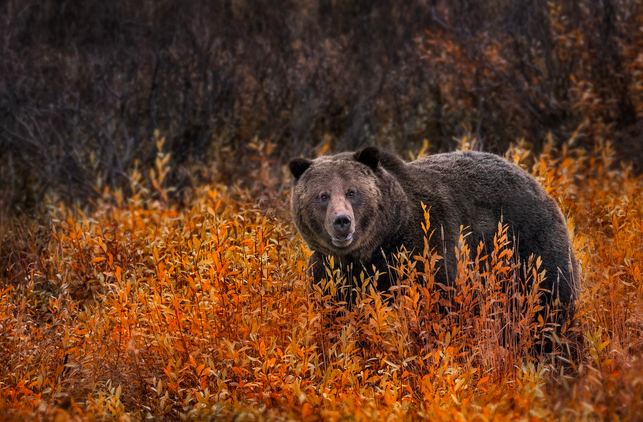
x=360 y=208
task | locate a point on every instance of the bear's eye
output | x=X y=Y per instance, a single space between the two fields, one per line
x=351 y=193
x=324 y=197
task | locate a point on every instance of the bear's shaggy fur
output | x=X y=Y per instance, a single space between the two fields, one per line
x=361 y=207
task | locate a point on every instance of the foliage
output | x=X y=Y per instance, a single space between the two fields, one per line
x=142 y=309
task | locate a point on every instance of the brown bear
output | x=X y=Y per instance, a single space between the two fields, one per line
x=361 y=207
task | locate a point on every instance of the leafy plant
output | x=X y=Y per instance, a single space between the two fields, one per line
x=142 y=309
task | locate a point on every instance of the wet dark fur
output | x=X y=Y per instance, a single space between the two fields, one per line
x=461 y=188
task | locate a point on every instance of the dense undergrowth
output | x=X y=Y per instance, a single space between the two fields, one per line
x=142 y=309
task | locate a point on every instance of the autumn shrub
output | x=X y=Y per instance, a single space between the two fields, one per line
x=142 y=309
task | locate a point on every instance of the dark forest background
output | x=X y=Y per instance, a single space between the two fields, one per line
x=85 y=83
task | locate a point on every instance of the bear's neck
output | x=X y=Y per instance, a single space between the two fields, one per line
x=388 y=242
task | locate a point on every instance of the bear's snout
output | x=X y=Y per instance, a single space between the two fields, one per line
x=342 y=223
x=342 y=233
x=341 y=227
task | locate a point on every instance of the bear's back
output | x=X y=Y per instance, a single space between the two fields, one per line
x=476 y=190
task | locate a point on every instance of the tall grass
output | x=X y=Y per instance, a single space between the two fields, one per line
x=143 y=309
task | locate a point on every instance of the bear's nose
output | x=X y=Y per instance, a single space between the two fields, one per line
x=342 y=223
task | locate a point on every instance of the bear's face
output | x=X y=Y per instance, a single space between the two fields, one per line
x=335 y=200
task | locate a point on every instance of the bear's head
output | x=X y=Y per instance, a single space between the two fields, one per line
x=339 y=202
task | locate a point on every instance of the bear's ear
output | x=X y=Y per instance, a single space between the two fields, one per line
x=369 y=156
x=298 y=166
